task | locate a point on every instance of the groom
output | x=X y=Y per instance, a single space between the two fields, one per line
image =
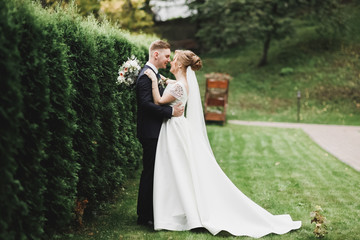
x=149 y=119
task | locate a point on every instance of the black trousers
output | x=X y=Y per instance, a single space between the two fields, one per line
x=145 y=210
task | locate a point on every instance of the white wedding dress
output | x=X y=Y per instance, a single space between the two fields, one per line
x=190 y=188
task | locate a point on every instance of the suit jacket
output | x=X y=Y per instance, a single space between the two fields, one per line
x=149 y=115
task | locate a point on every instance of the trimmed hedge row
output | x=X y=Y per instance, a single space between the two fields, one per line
x=67 y=130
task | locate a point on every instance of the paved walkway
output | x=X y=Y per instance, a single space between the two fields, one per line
x=341 y=141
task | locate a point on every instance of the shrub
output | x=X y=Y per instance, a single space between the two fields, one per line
x=68 y=132
x=60 y=165
x=10 y=115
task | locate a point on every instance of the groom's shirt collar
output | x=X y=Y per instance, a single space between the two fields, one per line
x=153 y=67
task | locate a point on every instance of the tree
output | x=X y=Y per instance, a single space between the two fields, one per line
x=223 y=24
x=53 y=3
x=88 y=7
x=134 y=15
x=85 y=7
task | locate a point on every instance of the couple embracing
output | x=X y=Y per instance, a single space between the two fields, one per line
x=182 y=187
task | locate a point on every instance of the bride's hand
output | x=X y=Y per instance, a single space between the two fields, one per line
x=166 y=80
x=151 y=75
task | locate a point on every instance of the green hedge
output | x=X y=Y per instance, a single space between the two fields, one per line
x=68 y=131
x=11 y=114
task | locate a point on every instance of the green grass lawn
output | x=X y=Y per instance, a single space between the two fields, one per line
x=282 y=170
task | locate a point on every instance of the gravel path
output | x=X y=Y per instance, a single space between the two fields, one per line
x=341 y=141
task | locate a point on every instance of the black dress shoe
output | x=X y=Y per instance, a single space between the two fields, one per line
x=147 y=223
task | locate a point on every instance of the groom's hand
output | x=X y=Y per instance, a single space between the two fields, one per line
x=178 y=110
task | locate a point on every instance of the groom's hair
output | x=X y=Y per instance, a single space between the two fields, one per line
x=157 y=45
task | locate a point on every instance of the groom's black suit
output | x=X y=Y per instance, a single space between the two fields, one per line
x=149 y=119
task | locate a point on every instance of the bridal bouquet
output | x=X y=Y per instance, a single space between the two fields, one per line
x=129 y=71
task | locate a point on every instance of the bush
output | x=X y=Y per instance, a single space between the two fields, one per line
x=61 y=166
x=10 y=115
x=68 y=131
x=34 y=131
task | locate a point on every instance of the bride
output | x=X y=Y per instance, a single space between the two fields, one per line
x=190 y=188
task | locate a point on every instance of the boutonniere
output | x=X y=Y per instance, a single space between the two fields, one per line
x=162 y=82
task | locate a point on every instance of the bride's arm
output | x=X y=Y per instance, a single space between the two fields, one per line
x=158 y=100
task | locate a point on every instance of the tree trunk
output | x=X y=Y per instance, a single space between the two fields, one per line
x=43 y=3
x=130 y=5
x=147 y=7
x=263 y=60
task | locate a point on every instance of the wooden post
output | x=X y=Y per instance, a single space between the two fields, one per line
x=298 y=105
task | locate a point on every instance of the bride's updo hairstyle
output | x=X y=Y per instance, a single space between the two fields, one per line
x=188 y=58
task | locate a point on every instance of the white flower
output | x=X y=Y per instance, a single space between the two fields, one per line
x=128 y=71
x=133 y=63
x=119 y=80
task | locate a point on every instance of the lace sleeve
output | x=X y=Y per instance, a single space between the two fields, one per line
x=176 y=90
